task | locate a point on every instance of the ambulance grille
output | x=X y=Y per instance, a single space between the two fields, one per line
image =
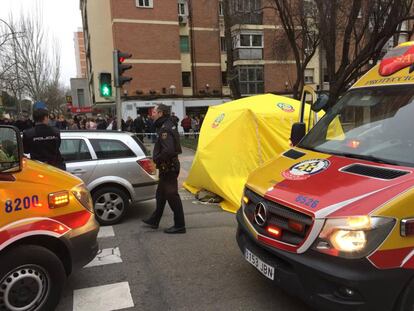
x=279 y=216
x=374 y=171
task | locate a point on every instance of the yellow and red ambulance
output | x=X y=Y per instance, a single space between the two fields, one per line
x=332 y=219
x=47 y=228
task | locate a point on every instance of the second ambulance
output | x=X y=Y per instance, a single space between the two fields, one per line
x=332 y=219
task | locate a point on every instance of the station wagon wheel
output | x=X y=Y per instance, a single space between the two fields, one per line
x=110 y=205
x=31 y=278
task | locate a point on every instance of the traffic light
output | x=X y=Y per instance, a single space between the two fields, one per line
x=120 y=67
x=105 y=87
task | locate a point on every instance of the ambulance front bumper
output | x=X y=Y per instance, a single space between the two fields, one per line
x=83 y=244
x=326 y=282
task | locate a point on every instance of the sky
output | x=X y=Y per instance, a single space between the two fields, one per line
x=61 y=18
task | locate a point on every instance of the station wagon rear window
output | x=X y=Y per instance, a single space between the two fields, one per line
x=111 y=149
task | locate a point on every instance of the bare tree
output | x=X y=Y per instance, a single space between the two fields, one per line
x=353 y=33
x=38 y=58
x=232 y=74
x=54 y=97
x=299 y=21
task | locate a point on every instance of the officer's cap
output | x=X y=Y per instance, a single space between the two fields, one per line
x=39 y=105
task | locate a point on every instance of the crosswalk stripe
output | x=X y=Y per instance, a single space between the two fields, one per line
x=106 y=256
x=103 y=298
x=106 y=232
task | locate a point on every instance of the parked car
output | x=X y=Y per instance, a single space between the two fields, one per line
x=115 y=167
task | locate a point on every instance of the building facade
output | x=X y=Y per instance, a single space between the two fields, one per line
x=80 y=55
x=80 y=96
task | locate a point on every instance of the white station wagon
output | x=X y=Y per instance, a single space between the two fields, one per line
x=115 y=167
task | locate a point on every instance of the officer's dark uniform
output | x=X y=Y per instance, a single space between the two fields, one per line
x=42 y=142
x=165 y=156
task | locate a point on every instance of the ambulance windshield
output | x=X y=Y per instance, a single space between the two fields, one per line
x=375 y=124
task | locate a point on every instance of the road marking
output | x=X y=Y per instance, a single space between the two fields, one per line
x=103 y=298
x=106 y=232
x=106 y=256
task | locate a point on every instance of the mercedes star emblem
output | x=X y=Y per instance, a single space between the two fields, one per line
x=260 y=214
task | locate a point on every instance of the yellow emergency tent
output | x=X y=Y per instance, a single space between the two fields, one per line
x=236 y=138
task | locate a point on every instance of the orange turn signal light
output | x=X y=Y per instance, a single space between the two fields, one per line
x=58 y=199
x=275 y=231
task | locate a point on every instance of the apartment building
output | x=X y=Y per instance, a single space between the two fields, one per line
x=179 y=52
x=80 y=55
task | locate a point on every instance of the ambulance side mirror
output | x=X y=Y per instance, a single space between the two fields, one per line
x=321 y=103
x=297 y=133
x=11 y=150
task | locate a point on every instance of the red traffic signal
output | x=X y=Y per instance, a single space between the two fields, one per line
x=123 y=56
x=120 y=68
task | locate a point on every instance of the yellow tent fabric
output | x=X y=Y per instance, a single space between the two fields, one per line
x=236 y=138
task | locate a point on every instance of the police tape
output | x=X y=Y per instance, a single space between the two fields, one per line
x=181 y=134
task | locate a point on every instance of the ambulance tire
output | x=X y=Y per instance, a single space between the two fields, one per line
x=101 y=197
x=38 y=269
x=406 y=300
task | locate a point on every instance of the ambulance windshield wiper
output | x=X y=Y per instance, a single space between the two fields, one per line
x=368 y=158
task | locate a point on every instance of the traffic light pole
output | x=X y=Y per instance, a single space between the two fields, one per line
x=118 y=109
x=119 y=80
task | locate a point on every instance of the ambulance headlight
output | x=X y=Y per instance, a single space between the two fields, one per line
x=353 y=237
x=81 y=193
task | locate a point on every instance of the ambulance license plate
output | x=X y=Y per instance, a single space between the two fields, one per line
x=264 y=268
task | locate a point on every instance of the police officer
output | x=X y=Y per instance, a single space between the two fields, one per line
x=165 y=155
x=42 y=141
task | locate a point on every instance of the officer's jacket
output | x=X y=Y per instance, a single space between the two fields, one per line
x=167 y=147
x=42 y=142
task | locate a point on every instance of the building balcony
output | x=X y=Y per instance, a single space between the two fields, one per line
x=248 y=54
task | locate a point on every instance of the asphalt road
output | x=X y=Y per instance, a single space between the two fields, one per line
x=146 y=269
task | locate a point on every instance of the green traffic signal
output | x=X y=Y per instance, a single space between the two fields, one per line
x=106 y=91
x=105 y=87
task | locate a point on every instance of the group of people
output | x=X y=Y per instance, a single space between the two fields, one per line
x=142 y=124
x=192 y=123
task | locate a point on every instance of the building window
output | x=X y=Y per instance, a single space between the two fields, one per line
x=184 y=45
x=251 y=80
x=223 y=45
x=81 y=97
x=182 y=8
x=246 y=6
x=224 y=78
x=309 y=74
x=221 y=8
x=144 y=3
x=248 y=40
x=186 y=76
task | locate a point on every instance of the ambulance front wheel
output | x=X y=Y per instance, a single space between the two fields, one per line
x=31 y=279
x=406 y=300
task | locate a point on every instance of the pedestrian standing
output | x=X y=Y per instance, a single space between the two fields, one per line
x=52 y=120
x=186 y=124
x=174 y=118
x=139 y=127
x=165 y=155
x=42 y=141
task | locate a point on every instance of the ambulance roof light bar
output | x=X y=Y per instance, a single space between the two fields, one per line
x=398 y=58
